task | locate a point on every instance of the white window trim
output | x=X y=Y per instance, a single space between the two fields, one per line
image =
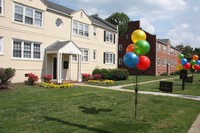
x=84 y=29
x=2 y=8
x=76 y=58
x=94 y=51
x=82 y=50
x=110 y=35
x=109 y=53
x=164 y=62
x=160 y=62
x=24 y=11
x=22 y=50
x=2 y=43
x=95 y=31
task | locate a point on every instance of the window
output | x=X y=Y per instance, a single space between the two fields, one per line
x=159 y=46
x=59 y=22
x=1 y=7
x=164 y=48
x=74 y=58
x=94 y=55
x=109 y=37
x=94 y=31
x=1 y=45
x=172 y=63
x=85 y=55
x=27 y=15
x=172 y=51
x=164 y=62
x=158 y=62
x=26 y=50
x=120 y=61
x=80 y=29
x=109 y=58
x=120 y=47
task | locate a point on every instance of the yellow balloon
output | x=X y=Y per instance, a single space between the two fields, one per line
x=138 y=35
x=179 y=67
x=192 y=66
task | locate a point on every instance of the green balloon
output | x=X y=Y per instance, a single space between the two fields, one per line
x=180 y=56
x=141 y=47
x=192 y=62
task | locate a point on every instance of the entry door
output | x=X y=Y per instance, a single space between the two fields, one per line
x=54 y=68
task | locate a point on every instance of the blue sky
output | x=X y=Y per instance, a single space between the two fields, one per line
x=178 y=20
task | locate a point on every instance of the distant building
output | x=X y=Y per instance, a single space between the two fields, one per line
x=162 y=54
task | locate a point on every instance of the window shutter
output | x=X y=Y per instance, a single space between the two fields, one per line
x=104 y=57
x=113 y=58
x=114 y=38
x=104 y=35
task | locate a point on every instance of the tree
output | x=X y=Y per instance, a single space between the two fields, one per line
x=119 y=19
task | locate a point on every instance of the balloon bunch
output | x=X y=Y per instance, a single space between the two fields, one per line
x=184 y=64
x=135 y=52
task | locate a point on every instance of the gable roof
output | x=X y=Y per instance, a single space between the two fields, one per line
x=68 y=47
x=58 y=8
x=165 y=41
x=96 y=20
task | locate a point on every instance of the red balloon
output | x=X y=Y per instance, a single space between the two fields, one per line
x=196 y=67
x=187 y=66
x=130 y=48
x=143 y=63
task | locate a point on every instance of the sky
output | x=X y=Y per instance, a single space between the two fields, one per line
x=177 y=20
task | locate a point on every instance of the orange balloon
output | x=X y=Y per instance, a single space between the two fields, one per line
x=130 y=48
x=179 y=61
x=195 y=57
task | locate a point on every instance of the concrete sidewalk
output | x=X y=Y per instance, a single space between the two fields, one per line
x=195 y=126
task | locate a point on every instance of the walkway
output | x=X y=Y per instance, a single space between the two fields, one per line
x=195 y=126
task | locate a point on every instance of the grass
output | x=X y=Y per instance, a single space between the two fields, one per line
x=131 y=80
x=190 y=89
x=90 y=110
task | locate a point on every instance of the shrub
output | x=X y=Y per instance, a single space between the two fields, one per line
x=47 y=78
x=164 y=74
x=32 y=78
x=112 y=74
x=97 y=77
x=86 y=76
x=6 y=75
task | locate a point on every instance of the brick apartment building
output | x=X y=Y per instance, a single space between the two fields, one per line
x=162 y=54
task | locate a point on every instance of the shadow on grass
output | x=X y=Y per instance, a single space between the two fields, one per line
x=93 y=110
x=76 y=125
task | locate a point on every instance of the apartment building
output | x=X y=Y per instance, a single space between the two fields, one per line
x=41 y=37
x=163 y=56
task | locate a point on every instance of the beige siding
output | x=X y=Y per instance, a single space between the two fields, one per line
x=47 y=35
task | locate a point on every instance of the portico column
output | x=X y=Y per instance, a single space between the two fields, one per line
x=70 y=67
x=58 y=67
x=61 y=65
x=79 y=76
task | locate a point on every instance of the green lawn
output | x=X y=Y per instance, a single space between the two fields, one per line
x=91 y=110
x=190 y=89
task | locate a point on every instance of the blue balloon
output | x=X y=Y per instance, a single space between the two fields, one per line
x=198 y=62
x=184 y=61
x=130 y=59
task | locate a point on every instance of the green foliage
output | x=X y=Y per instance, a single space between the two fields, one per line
x=164 y=74
x=5 y=76
x=112 y=74
x=120 y=19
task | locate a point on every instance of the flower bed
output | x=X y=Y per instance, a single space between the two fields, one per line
x=107 y=82
x=55 y=86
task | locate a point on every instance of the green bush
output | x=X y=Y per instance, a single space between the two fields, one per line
x=164 y=74
x=5 y=76
x=112 y=74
